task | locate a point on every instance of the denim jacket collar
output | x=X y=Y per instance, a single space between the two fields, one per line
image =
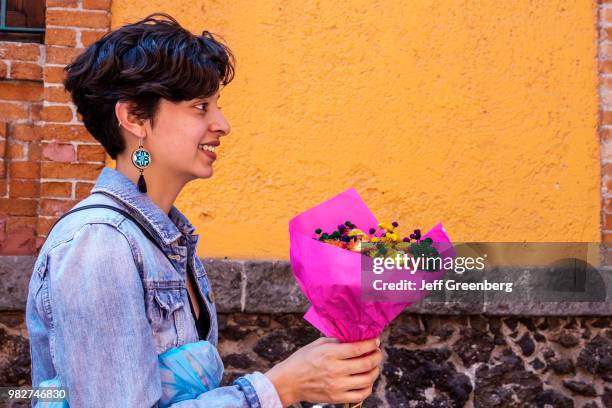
x=169 y=227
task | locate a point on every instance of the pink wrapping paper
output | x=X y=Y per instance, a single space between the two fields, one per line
x=330 y=277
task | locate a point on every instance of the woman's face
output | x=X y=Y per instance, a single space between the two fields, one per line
x=180 y=130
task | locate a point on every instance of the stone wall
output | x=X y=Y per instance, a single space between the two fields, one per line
x=430 y=360
x=454 y=361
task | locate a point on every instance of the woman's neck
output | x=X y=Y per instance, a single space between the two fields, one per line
x=162 y=188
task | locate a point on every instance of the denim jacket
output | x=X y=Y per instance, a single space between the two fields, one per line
x=103 y=302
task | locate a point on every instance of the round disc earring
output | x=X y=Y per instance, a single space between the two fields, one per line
x=141 y=158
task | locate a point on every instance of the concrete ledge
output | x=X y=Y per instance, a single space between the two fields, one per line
x=254 y=286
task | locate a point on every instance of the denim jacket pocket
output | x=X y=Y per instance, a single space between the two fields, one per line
x=166 y=312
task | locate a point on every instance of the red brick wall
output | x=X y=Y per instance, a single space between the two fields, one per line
x=48 y=161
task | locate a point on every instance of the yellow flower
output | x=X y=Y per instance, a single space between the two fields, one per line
x=386 y=227
x=392 y=236
x=356 y=231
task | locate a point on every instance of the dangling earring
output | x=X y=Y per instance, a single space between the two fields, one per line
x=141 y=158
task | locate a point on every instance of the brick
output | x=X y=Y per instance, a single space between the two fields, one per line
x=17 y=221
x=18 y=206
x=22 y=237
x=34 y=151
x=19 y=51
x=90 y=37
x=60 y=36
x=23 y=242
x=15 y=151
x=65 y=133
x=35 y=112
x=24 y=188
x=606 y=15
x=605 y=51
x=25 y=132
x=66 y=171
x=606 y=117
x=3 y=188
x=90 y=153
x=59 y=152
x=605 y=133
x=607 y=222
x=606 y=66
x=3 y=129
x=70 y=18
x=82 y=190
x=97 y=4
x=62 y=3
x=606 y=171
x=3 y=143
x=61 y=55
x=40 y=241
x=3 y=70
x=55 y=113
x=53 y=207
x=3 y=170
x=45 y=224
x=55 y=189
x=26 y=70
x=54 y=75
x=21 y=91
x=17 y=110
x=56 y=94
x=605 y=148
x=25 y=170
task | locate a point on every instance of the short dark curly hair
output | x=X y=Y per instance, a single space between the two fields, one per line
x=140 y=63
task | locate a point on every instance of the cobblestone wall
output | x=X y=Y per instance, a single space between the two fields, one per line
x=430 y=361
x=454 y=361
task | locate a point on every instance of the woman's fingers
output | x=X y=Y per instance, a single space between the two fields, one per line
x=322 y=340
x=361 y=364
x=360 y=381
x=356 y=349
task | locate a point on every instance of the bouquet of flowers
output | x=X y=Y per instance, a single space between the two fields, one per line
x=386 y=245
x=327 y=265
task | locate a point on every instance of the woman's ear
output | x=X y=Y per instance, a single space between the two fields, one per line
x=129 y=121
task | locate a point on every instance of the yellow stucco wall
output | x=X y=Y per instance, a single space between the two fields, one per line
x=481 y=115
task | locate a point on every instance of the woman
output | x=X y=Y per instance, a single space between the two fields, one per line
x=106 y=298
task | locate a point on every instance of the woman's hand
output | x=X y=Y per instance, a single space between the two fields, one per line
x=328 y=371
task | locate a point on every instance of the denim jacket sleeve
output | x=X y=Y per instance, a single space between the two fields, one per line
x=101 y=339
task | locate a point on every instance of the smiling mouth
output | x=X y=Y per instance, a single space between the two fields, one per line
x=207 y=148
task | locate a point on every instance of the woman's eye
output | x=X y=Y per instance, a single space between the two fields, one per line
x=204 y=106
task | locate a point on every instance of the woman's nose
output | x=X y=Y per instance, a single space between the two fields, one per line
x=221 y=125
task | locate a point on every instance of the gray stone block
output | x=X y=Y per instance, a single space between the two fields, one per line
x=268 y=286
x=15 y=272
